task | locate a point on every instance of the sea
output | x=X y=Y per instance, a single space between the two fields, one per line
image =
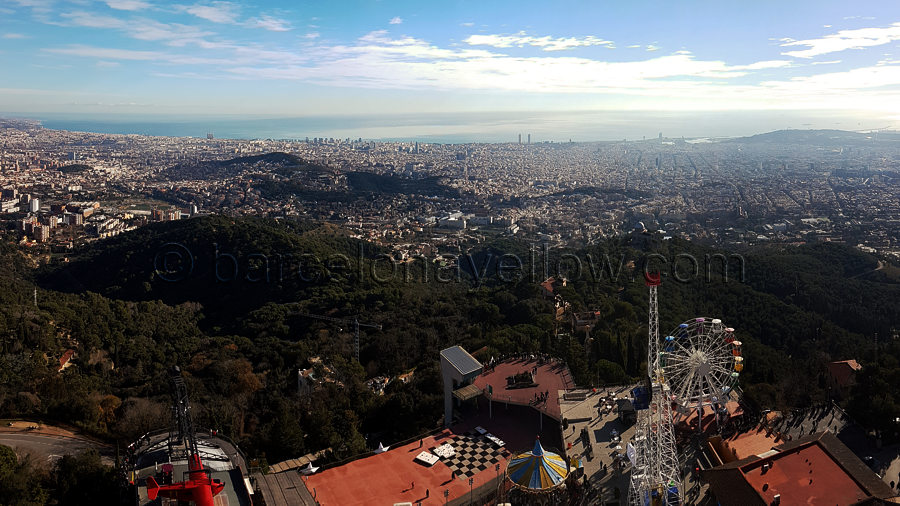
x=470 y=127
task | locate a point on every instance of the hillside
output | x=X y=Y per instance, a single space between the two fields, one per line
x=214 y=169
x=242 y=340
x=832 y=138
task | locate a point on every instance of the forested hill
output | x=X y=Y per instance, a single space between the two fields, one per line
x=211 y=169
x=242 y=338
x=230 y=266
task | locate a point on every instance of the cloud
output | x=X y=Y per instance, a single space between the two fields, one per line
x=881 y=75
x=651 y=47
x=825 y=62
x=106 y=53
x=229 y=54
x=469 y=23
x=37 y=6
x=128 y=5
x=311 y=35
x=396 y=20
x=216 y=12
x=173 y=34
x=379 y=61
x=14 y=36
x=92 y=20
x=107 y=64
x=270 y=23
x=546 y=43
x=843 y=40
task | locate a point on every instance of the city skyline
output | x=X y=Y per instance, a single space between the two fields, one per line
x=149 y=57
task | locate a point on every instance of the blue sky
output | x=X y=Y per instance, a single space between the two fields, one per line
x=315 y=58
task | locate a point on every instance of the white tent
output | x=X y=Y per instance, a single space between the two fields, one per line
x=381 y=448
x=309 y=469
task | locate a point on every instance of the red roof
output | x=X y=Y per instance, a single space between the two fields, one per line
x=63 y=360
x=387 y=478
x=818 y=469
x=806 y=476
x=548 y=284
x=844 y=372
x=551 y=377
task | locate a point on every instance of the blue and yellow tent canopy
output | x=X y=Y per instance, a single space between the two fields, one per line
x=537 y=470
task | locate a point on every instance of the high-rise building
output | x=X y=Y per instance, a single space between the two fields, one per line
x=41 y=233
x=529 y=138
x=34 y=205
x=520 y=138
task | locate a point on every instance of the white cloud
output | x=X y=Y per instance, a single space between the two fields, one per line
x=37 y=6
x=651 y=47
x=14 y=36
x=396 y=20
x=106 y=53
x=379 y=61
x=825 y=62
x=92 y=20
x=467 y=24
x=173 y=34
x=843 y=40
x=107 y=64
x=127 y=5
x=270 y=23
x=881 y=75
x=216 y=12
x=546 y=43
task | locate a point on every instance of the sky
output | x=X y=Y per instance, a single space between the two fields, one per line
x=395 y=57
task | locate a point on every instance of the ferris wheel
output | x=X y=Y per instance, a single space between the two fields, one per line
x=701 y=361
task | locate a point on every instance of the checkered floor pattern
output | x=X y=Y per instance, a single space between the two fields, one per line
x=473 y=455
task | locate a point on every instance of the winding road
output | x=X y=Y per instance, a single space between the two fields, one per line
x=51 y=443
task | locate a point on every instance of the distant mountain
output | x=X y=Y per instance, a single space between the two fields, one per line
x=818 y=137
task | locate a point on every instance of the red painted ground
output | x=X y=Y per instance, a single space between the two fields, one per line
x=386 y=478
x=790 y=476
x=517 y=426
x=752 y=443
x=550 y=378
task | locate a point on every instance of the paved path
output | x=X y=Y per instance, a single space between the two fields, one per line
x=599 y=441
x=51 y=443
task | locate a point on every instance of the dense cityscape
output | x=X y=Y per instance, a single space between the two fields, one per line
x=373 y=253
x=61 y=188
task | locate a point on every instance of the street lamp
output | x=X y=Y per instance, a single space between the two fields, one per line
x=497 y=468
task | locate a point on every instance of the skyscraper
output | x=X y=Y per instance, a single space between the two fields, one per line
x=520 y=138
x=529 y=138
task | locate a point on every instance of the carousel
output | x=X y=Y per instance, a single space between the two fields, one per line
x=538 y=473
